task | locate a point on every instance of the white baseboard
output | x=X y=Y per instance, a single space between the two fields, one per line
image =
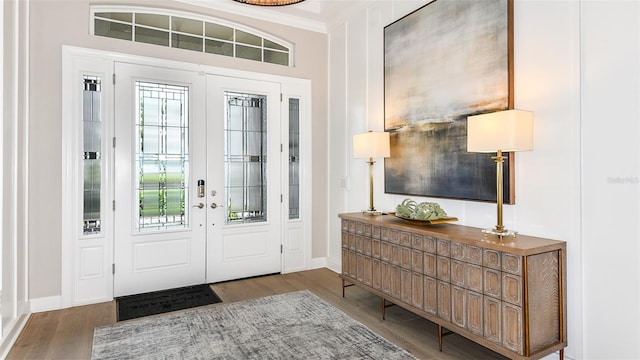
x=318 y=263
x=46 y=304
x=334 y=264
x=11 y=333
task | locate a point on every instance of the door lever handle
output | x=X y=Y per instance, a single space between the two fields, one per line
x=199 y=206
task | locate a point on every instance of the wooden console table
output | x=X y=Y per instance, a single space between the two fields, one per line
x=508 y=295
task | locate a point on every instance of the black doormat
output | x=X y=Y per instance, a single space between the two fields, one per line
x=158 y=302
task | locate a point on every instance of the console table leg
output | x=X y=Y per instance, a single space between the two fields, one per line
x=383 y=307
x=440 y=337
x=561 y=354
x=343 y=287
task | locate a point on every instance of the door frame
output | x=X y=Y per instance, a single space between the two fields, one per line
x=296 y=235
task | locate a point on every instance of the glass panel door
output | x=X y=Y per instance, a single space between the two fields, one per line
x=245 y=158
x=162 y=157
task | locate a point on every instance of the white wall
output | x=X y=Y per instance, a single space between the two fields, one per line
x=610 y=129
x=13 y=144
x=576 y=67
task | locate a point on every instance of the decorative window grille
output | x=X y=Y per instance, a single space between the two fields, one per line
x=92 y=157
x=190 y=32
x=294 y=158
x=245 y=158
x=162 y=155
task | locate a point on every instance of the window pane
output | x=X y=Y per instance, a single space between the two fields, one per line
x=92 y=147
x=162 y=158
x=158 y=21
x=112 y=29
x=218 y=31
x=151 y=36
x=271 y=45
x=186 y=25
x=245 y=158
x=275 y=57
x=120 y=16
x=218 y=47
x=186 y=42
x=250 y=53
x=246 y=38
x=294 y=158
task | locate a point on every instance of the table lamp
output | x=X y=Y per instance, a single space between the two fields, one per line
x=371 y=145
x=508 y=131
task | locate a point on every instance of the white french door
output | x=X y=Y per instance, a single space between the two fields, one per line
x=160 y=232
x=173 y=128
x=243 y=170
x=198 y=187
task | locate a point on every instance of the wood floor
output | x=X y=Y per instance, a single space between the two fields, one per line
x=68 y=333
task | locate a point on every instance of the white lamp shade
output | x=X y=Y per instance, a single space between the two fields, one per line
x=509 y=130
x=371 y=144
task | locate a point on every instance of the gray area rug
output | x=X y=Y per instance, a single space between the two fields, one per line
x=296 y=325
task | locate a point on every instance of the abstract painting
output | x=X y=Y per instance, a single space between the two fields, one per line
x=443 y=62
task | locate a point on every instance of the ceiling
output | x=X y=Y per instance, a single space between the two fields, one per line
x=314 y=15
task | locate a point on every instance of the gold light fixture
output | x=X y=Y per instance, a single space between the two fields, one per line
x=371 y=145
x=269 y=2
x=509 y=131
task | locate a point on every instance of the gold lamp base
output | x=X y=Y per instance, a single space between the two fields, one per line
x=372 y=212
x=500 y=233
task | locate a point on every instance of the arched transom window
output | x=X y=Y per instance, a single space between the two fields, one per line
x=188 y=31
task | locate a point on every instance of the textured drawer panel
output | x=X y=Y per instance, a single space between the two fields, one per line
x=366 y=230
x=474 y=278
x=366 y=245
x=458 y=306
x=417 y=290
x=491 y=259
x=352 y=264
x=395 y=254
x=416 y=261
x=376 y=279
x=473 y=254
x=359 y=228
x=352 y=226
x=375 y=248
x=385 y=234
x=444 y=268
x=394 y=236
x=492 y=319
x=375 y=232
x=416 y=241
x=429 y=244
x=444 y=300
x=430 y=265
x=430 y=295
x=458 y=272
x=457 y=251
x=345 y=261
x=405 y=257
x=385 y=277
x=405 y=285
x=352 y=241
x=359 y=243
x=512 y=328
x=345 y=225
x=512 y=288
x=512 y=263
x=345 y=239
x=474 y=312
x=444 y=248
x=405 y=239
x=385 y=251
x=493 y=283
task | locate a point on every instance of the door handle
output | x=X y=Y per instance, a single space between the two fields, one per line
x=199 y=206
